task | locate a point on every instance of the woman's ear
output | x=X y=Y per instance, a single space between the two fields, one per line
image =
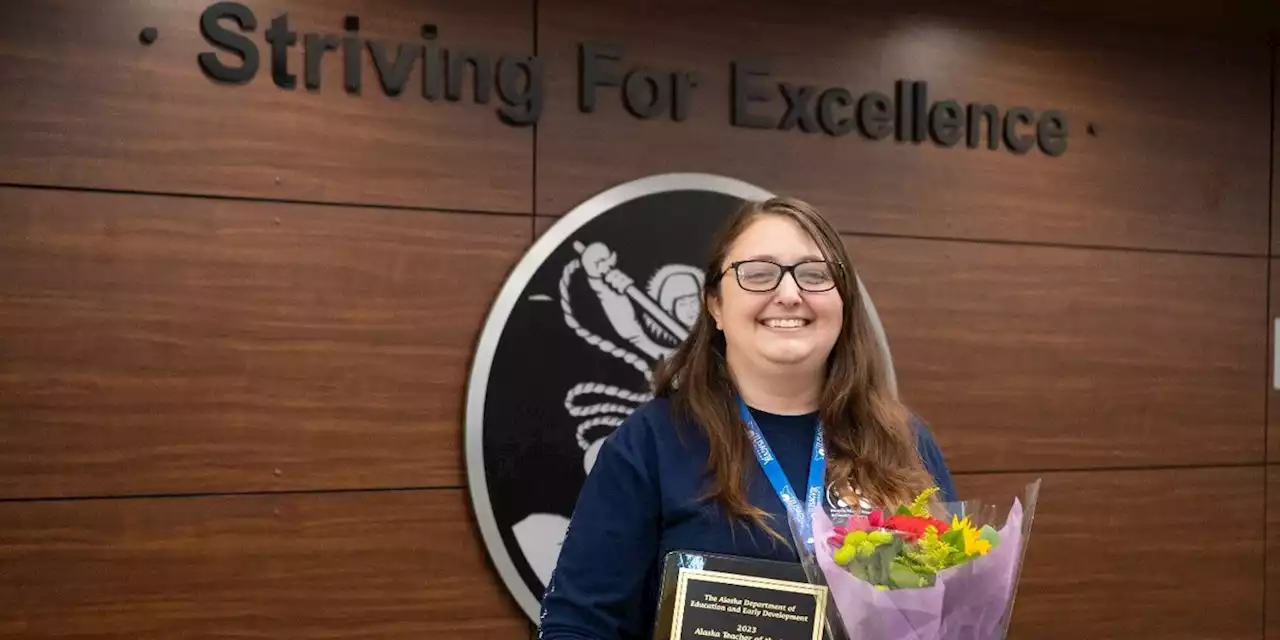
x=712 y=303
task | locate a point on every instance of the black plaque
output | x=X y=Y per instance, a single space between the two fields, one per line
x=735 y=598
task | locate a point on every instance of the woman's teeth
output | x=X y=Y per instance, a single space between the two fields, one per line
x=786 y=323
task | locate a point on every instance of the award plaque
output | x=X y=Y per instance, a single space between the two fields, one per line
x=706 y=595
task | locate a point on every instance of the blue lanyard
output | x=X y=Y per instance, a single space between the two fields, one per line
x=773 y=470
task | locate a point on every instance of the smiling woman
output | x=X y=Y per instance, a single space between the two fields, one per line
x=781 y=361
x=778 y=330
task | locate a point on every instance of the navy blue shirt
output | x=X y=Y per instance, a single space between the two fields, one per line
x=640 y=502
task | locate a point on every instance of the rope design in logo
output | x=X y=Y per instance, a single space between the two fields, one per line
x=592 y=339
x=615 y=413
x=583 y=388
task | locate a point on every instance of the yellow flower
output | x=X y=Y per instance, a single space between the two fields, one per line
x=973 y=544
x=880 y=537
x=919 y=507
x=844 y=555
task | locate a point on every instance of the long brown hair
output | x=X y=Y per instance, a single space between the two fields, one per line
x=868 y=438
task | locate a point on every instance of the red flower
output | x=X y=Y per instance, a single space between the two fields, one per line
x=912 y=527
x=876 y=519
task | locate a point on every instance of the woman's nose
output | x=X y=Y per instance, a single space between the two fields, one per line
x=788 y=289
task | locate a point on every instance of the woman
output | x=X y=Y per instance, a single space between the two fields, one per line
x=782 y=344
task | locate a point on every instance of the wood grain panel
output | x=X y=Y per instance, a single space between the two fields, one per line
x=1034 y=358
x=1240 y=19
x=1275 y=142
x=1273 y=403
x=84 y=103
x=1273 y=553
x=309 y=566
x=165 y=344
x=1133 y=554
x=1178 y=161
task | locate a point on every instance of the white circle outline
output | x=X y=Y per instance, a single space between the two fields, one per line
x=496 y=322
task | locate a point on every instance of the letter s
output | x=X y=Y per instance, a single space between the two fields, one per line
x=220 y=36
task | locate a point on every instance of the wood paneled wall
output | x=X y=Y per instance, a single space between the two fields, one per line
x=1272 y=490
x=237 y=320
x=1273 y=553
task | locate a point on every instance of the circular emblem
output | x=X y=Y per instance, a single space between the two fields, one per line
x=568 y=350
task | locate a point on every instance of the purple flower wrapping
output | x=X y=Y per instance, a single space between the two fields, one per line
x=967 y=602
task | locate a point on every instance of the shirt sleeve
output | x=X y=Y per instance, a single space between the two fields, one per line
x=598 y=584
x=934 y=461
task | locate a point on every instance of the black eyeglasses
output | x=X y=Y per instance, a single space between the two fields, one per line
x=814 y=276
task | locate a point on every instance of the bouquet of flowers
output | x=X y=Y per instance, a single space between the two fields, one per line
x=921 y=571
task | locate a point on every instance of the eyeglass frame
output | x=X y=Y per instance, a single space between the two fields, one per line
x=784 y=270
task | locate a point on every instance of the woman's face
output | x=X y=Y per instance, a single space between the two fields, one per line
x=786 y=327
